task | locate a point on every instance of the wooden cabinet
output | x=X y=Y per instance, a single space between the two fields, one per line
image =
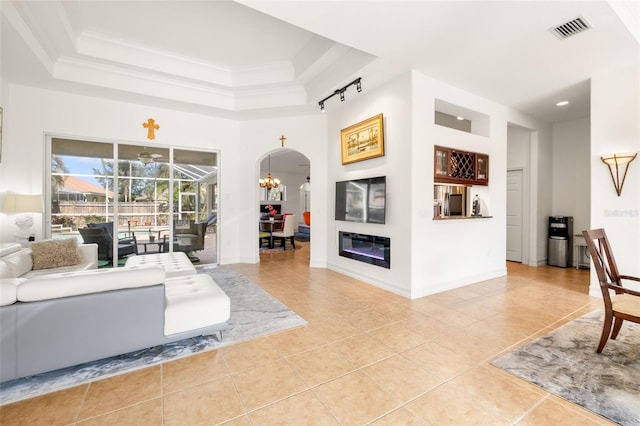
x=460 y=167
x=482 y=169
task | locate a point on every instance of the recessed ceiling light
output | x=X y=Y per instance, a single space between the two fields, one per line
x=562 y=103
x=460 y=118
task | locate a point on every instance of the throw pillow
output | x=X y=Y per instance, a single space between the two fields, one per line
x=54 y=253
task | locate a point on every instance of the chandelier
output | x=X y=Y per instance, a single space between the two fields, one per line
x=269 y=182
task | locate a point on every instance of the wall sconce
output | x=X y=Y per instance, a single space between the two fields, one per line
x=340 y=92
x=21 y=203
x=618 y=160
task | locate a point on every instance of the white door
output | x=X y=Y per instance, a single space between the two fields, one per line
x=514 y=215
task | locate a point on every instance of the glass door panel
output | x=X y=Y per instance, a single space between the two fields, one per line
x=143 y=183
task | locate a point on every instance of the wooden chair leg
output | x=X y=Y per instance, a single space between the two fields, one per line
x=617 y=325
x=293 y=244
x=606 y=330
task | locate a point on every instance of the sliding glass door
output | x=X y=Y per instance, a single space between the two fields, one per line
x=136 y=193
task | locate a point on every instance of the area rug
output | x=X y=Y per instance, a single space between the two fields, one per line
x=565 y=363
x=254 y=313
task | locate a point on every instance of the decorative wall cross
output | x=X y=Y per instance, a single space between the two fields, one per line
x=282 y=139
x=152 y=127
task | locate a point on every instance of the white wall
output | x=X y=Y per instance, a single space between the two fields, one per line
x=258 y=138
x=571 y=171
x=452 y=253
x=615 y=128
x=32 y=113
x=540 y=182
x=519 y=158
x=393 y=101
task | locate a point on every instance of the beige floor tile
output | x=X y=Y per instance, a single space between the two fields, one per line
x=249 y=354
x=240 y=421
x=193 y=370
x=57 y=408
x=445 y=406
x=401 y=377
x=121 y=391
x=320 y=365
x=355 y=399
x=361 y=350
x=210 y=403
x=583 y=412
x=332 y=329
x=144 y=414
x=267 y=383
x=366 y=319
x=401 y=416
x=552 y=413
x=302 y=409
x=396 y=337
x=439 y=360
x=348 y=355
x=297 y=340
x=507 y=397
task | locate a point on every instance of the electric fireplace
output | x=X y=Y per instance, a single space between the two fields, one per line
x=365 y=248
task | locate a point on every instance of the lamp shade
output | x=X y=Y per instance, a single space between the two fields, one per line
x=21 y=203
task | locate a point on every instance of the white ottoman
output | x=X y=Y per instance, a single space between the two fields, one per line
x=194 y=302
x=175 y=264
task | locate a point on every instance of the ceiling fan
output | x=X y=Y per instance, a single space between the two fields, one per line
x=145 y=157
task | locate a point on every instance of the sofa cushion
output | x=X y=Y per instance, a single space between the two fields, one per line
x=18 y=263
x=55 y=253
x=193 y=302
x=5 y=271
x=175 y=264
x=8 y=248
x=82 y=266
x=8 y=290
x=55 y=286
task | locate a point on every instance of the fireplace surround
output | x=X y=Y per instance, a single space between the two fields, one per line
x=365 y=248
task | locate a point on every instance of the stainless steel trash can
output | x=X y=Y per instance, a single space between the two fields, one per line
x=560 y=244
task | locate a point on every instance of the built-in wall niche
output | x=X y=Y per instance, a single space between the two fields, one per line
x=461 y=118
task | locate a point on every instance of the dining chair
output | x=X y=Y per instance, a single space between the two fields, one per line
x=624 y=303
x=288 y=231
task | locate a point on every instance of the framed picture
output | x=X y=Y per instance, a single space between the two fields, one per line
x=363 y=140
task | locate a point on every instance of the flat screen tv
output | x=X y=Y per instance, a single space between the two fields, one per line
x=361 y=200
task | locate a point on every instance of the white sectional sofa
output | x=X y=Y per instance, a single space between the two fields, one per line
x=60 y=318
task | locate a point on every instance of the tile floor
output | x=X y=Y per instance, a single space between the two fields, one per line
x=366 y=357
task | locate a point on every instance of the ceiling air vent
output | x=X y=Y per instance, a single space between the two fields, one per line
x=570 y=28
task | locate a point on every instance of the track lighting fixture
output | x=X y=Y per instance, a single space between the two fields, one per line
x=357 y=82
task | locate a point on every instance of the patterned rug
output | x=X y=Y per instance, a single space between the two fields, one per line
x=565 y=363
x=254 y=313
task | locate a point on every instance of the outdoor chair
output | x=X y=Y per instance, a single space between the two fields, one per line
x=624 y=304
x=104 y=240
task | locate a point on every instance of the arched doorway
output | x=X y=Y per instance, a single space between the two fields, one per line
x=292 y=170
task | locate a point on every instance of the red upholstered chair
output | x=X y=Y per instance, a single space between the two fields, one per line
x=625 y=303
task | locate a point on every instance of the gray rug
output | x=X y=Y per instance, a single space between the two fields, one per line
x=254 y=313
x=565 y=363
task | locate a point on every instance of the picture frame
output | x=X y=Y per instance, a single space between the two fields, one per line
x=363 y=140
